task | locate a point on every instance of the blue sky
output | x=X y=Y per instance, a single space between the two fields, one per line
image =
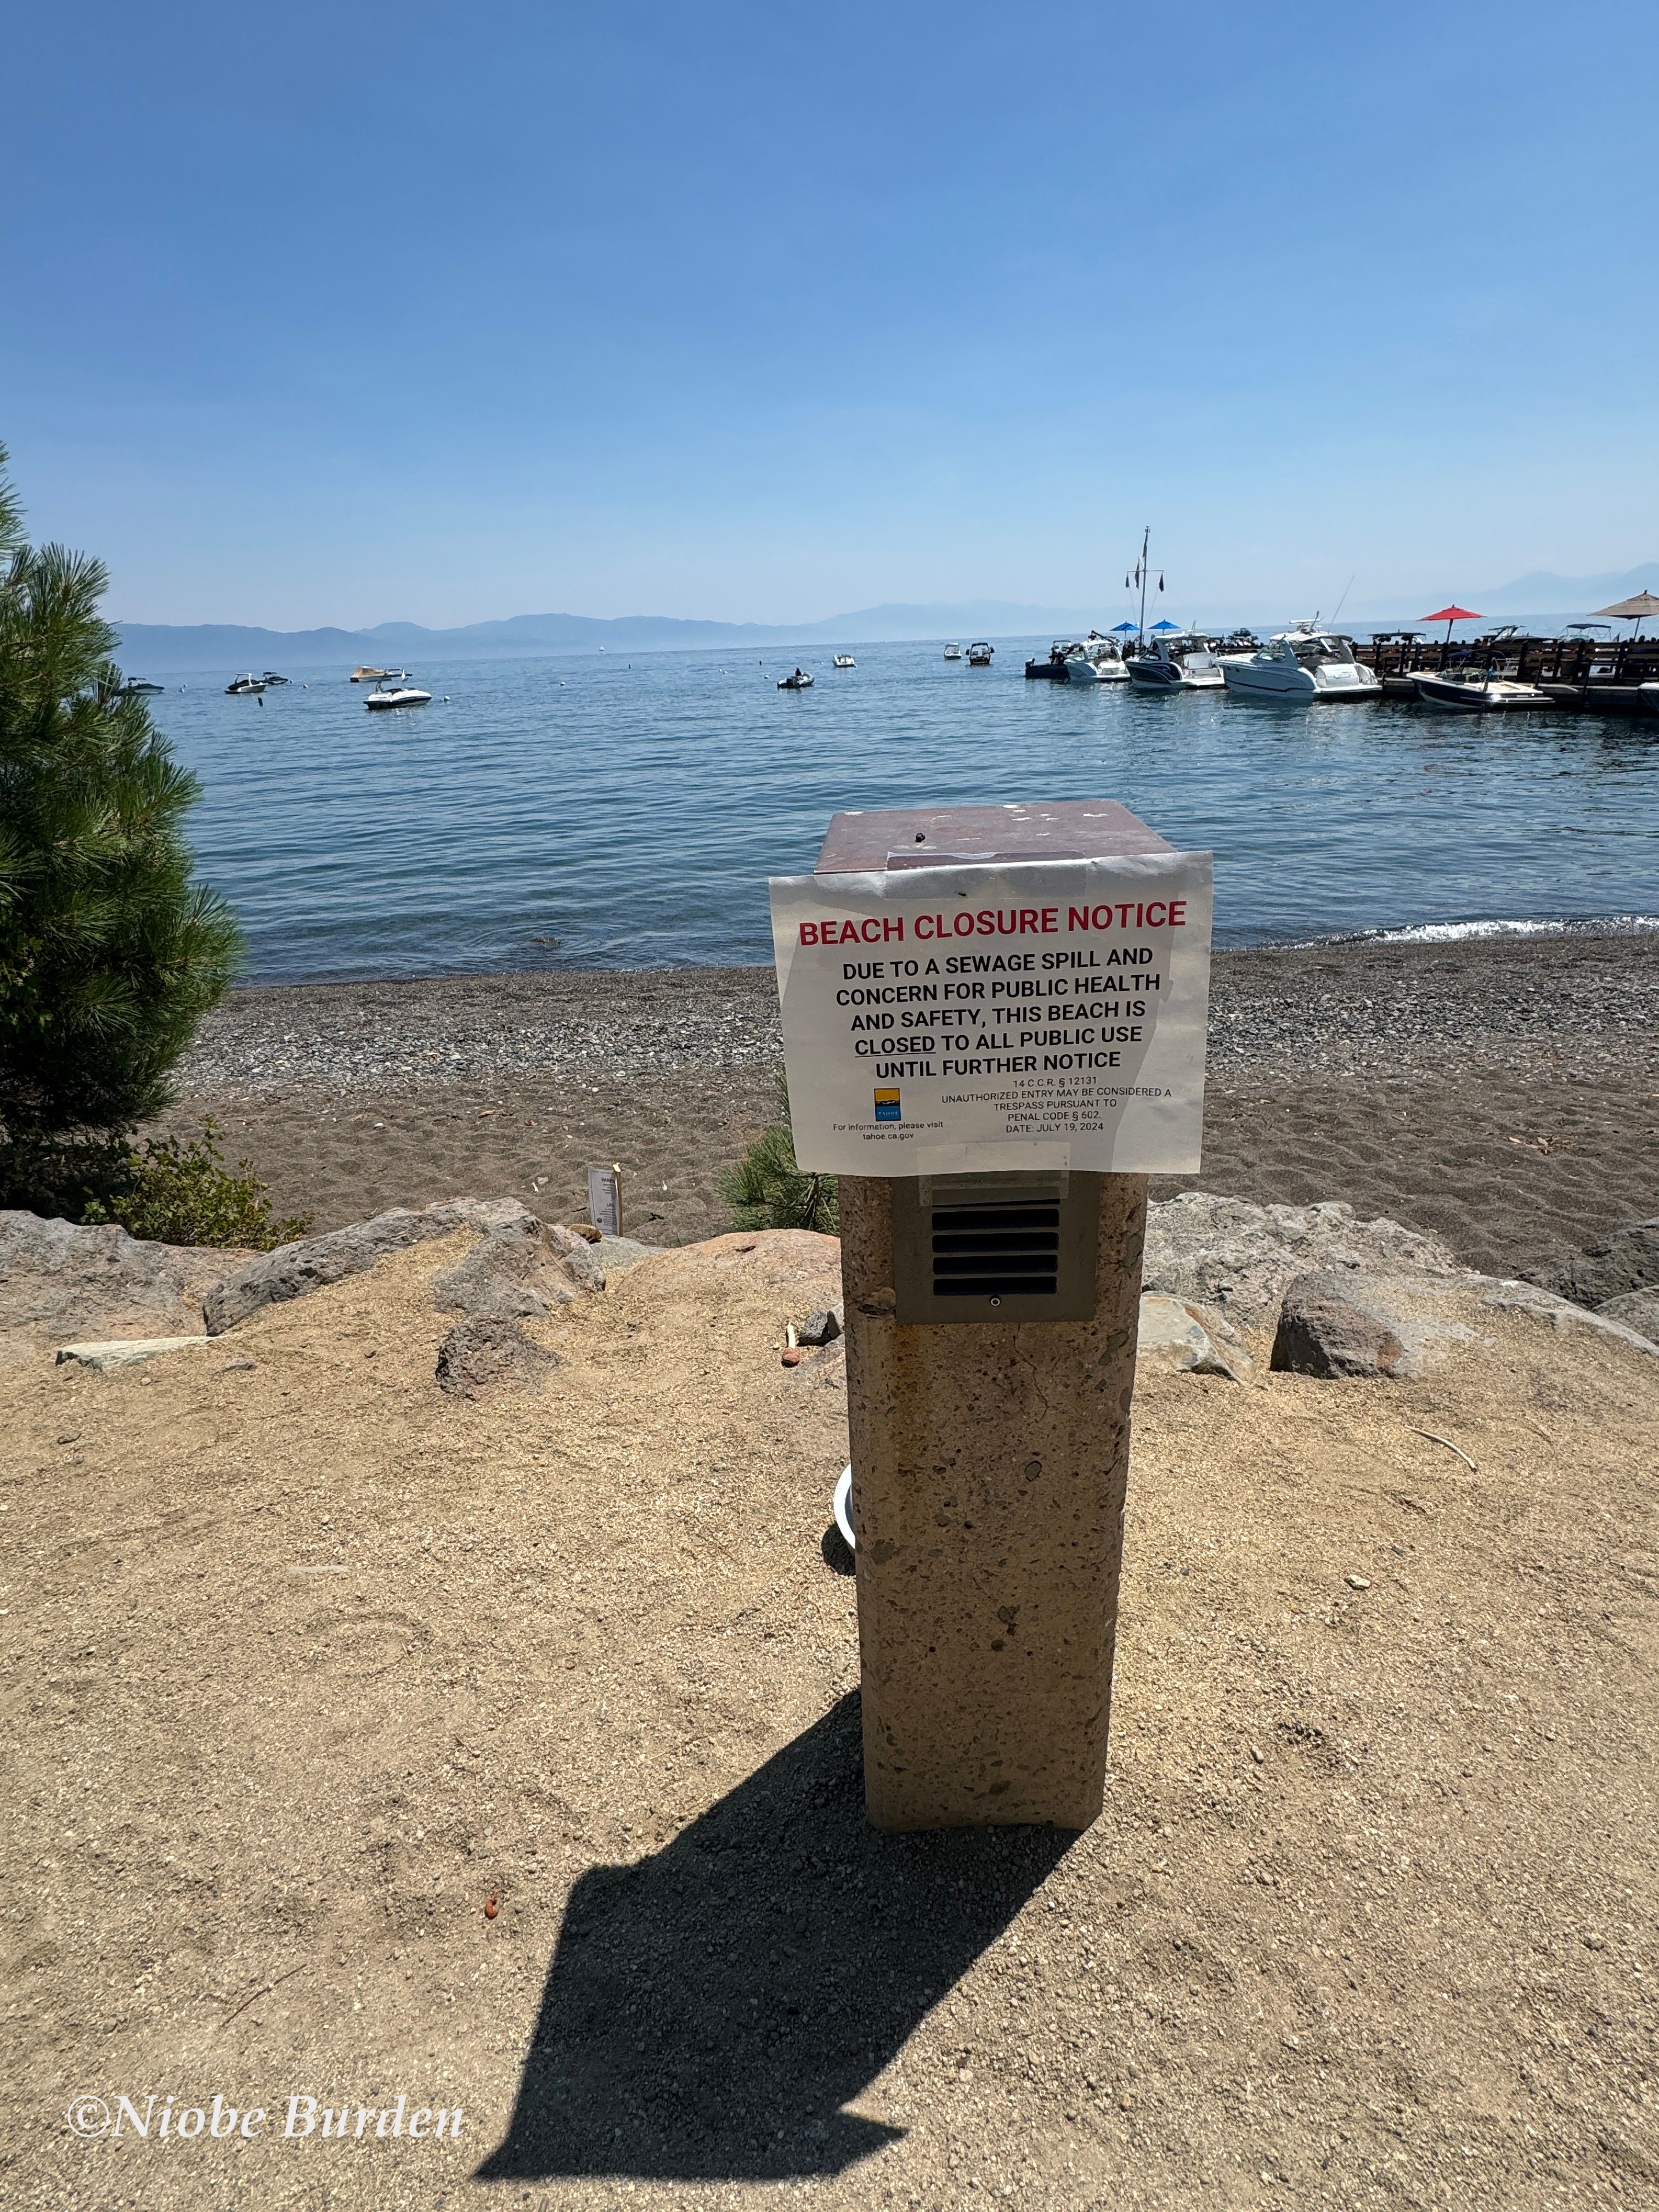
x=446 y=312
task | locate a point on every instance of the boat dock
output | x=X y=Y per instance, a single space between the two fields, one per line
x=1590 y=675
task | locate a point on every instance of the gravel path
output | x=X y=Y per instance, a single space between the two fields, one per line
x=1365 y=1006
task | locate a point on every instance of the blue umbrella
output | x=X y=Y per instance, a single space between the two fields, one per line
x=1164 y=625
x=1122 y=627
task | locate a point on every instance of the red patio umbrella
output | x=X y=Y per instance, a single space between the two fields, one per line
x=1450 y=615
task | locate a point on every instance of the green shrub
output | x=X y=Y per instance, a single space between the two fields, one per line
x=110 y=952
x=766 y=1190
x=176 y=1193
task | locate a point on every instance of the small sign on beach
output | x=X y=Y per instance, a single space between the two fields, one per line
x=951 y=1016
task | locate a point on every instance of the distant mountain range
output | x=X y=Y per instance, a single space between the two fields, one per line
x=147 y=646
x=216 y=645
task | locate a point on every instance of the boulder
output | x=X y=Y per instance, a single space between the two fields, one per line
x=1324 y=1329
x=1174 y=1335
x=1240 y=1258
x=59 y=1281
x=293 y=1271
x=1637 y=1310
x=1625 y=1262
x=515 y=1271
x=486 y=1350
x=618 y=1253
x=1342 y=1322
x=1544 y=1305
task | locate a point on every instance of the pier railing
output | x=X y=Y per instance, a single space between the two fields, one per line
x=1580 y=661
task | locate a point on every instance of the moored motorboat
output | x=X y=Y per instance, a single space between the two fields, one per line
x=137 y=686
x=369 y=675
x=1053 y=670
x=800 y=681
x=1097 y=660
x=399 y=695
x=1479 y=695
x=1647 y=697
x=1184 y=662
x=845 y=661
x=953 y=652
x=978 y=653
x=248 y=682
x=271 y=679
x=1299 y=665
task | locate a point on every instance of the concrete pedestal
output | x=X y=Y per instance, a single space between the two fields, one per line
x=990 y=1462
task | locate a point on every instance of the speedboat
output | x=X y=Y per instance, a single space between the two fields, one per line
x=246 y=683
x=979 y=654
x=1301 y=664
x=136 y=684
x=1054 y=669
x=1097 y=660
x=845 y=661
x=272 y=679
x=1648 y=697
x=953 y=652
x=399 y=695
x=369 y=675
x=1182 y=662
x=1479 y=695
x=800 y=681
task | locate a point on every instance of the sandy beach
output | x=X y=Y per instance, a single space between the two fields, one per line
x=1498 y=1093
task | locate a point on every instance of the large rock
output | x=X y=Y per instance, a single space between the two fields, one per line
x=1627 y=1261
x=293 y=1271
x=58 y=1282
x=1178 y=1336
x=518 y=1271
x=124 y=1352
x=488 y=1349
x=1242 y=1259
x=1327 y=1328
x=1637 y=1310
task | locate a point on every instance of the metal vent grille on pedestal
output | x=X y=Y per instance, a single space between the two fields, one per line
x=995 y=1248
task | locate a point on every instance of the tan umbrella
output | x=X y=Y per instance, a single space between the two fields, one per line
x=1637 y=610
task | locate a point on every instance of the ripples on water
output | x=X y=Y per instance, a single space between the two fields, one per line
x=632 y=813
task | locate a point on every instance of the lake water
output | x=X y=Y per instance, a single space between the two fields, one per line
x=593 y=811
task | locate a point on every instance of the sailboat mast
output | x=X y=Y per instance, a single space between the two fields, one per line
x=1146 y=542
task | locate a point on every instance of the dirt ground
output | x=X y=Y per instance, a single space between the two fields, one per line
x=310 y=1665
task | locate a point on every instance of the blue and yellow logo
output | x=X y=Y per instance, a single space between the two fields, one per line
x=887 y=1105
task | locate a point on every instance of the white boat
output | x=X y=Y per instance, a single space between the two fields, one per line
x=137 y=685
x=800 y=681
x=246 y=683
x=399 y=695
x=1182 y=662
x=978 y=653
x=1479 y=695
x=271 y=679
x=845 y=661
x=953 y=652
x=1301 y=664
x=1097 y=660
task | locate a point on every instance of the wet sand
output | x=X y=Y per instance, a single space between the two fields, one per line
x=1501 y=1093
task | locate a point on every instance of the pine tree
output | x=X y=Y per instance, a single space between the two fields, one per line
x=109 y=953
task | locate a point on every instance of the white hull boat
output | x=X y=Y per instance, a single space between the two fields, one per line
x=845 y=661
x=1182 y=663
x=953 y=652
x=1097 y=660
x=1479 y=695
x=1300 y=664
x=399 y=695
x=800 y=681
x=241 y=686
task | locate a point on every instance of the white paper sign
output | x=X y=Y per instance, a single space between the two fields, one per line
x=1036 y=1014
